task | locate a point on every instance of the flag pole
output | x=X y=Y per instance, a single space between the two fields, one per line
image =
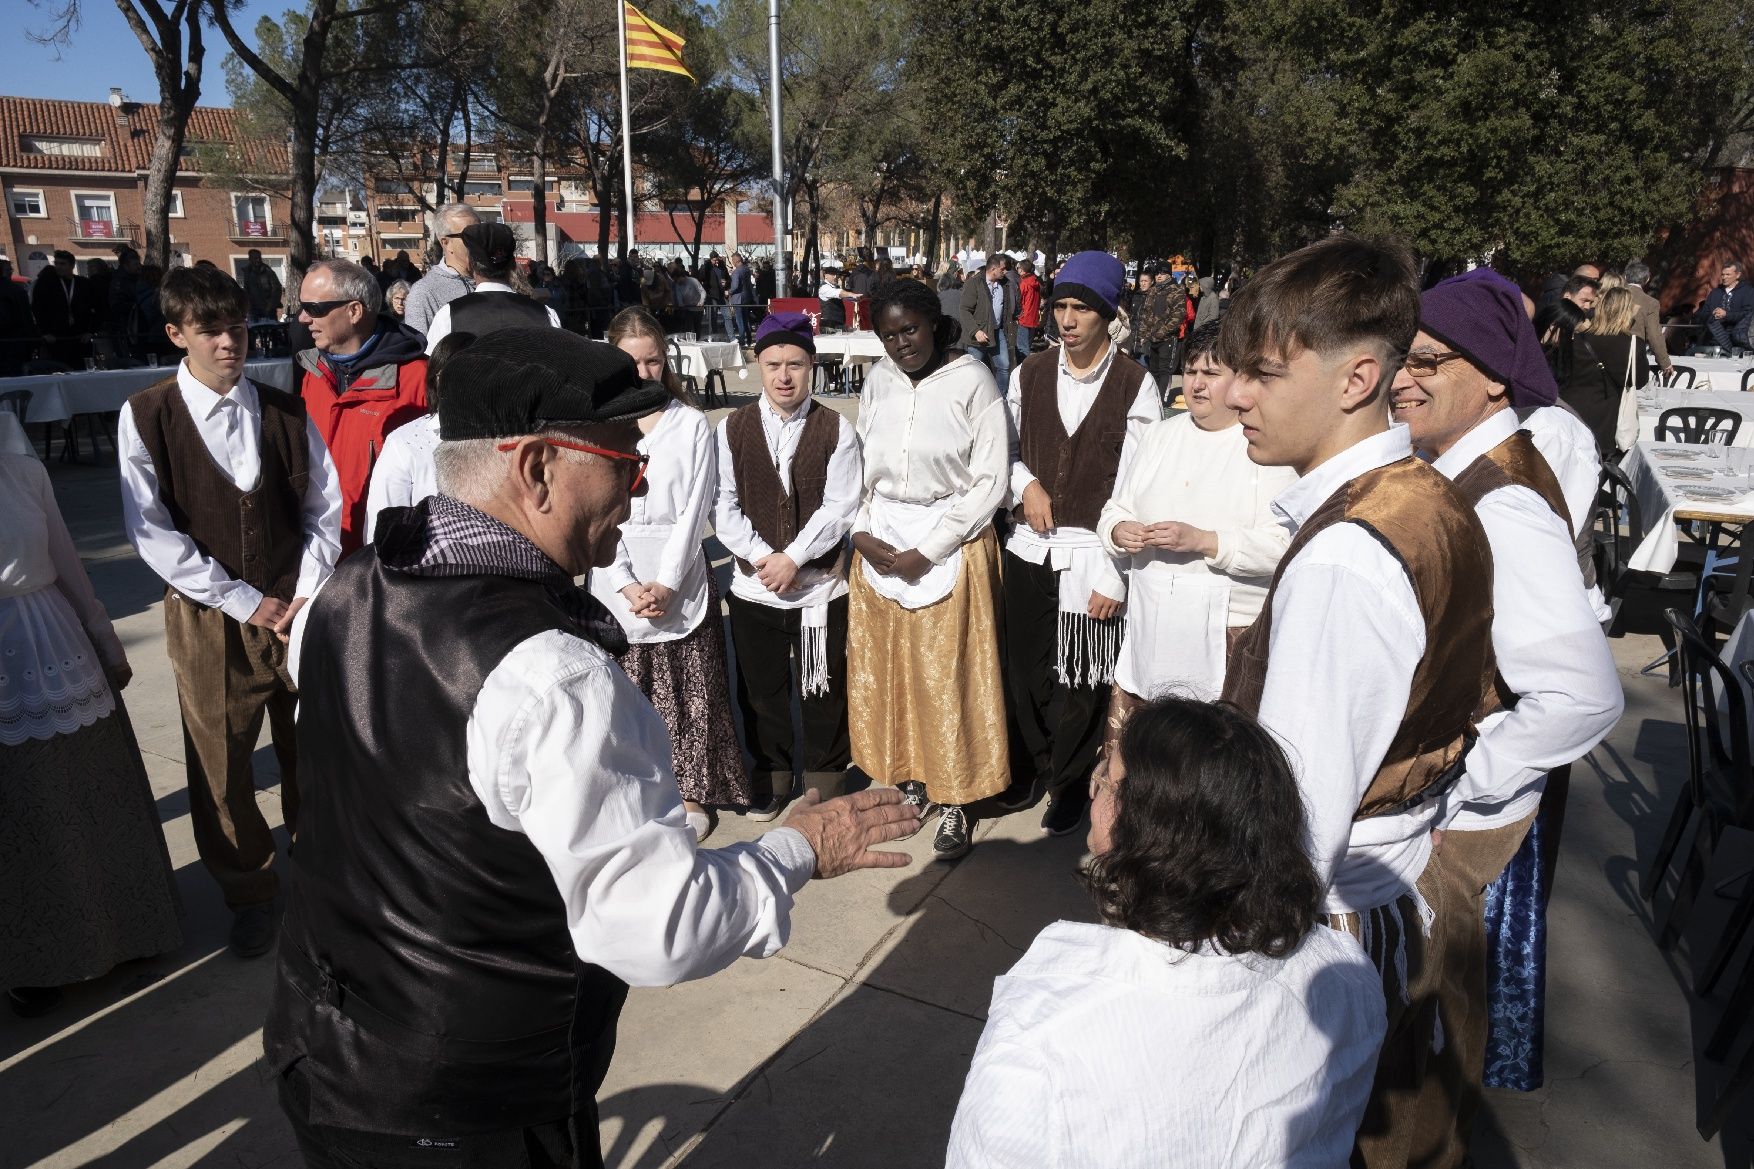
x=626 y=128
x=781 y=230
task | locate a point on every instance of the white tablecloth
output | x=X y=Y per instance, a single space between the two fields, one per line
x=1651 y=405
x=699 y=357
x=861 y=346
x=57 y=397
x=13 y=440
x=1669 y=476
x=1716 y=373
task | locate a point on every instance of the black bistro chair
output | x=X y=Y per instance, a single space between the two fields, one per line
x=1699 y=425
x=1682 y=378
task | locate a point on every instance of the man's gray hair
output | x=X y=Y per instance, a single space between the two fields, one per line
x=472 y=469
x=352 y=282
x=1736 y=264
x=444 y=219
x=1638 y=272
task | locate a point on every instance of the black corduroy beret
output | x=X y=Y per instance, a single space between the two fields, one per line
x=514 y=382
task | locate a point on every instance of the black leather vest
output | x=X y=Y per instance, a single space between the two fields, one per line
x=483 y=312
x=427 y=981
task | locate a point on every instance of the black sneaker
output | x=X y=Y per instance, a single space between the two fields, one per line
x=32 y=1002
x=914 y=792
x=1020 y=795
x=952 y=840
x=1065 y=813
x=252 y=932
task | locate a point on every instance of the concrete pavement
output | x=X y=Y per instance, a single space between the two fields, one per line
x=849 y=1048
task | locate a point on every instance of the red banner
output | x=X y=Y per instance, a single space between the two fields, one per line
x=253 y=227
x=96 y=229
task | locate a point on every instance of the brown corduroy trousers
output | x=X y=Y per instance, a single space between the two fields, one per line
x=228 y=676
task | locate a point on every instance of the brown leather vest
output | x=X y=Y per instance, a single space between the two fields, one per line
x=1419 y=516
x=1515 y=462
x=779 y=517
x=256 y=536
x=1077 y=470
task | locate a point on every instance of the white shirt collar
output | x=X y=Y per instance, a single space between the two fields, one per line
x=1298 y=501
x=493 y=286
x=803 y=411
x=1477 y=442
x=1096 y=374
x=204 y=403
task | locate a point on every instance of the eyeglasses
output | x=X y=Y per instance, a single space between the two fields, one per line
x=322 y=308
x=639 y=475
x=1099 y=780
x=1425 y=364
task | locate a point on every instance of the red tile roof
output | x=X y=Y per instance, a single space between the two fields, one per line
x=126 y=148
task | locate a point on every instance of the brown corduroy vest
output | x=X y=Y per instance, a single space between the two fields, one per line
x=257 y=536
x=1077 y=470
x=1420 y=517
x=779 y=517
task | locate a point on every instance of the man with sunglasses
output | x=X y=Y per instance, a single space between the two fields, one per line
x=1474 y=363
x=492 y=846
x=364 y=377
x=448 y=277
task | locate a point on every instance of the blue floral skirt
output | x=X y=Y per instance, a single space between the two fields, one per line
x=1516 y=967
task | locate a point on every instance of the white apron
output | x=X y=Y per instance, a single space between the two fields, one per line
x=904 y=526
x=1176 y=635
x=645 y=548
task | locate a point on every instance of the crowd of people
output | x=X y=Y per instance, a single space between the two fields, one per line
x=1303 y=655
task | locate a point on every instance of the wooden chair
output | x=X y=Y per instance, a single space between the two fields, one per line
x=1699 y=424
x=1719 y=776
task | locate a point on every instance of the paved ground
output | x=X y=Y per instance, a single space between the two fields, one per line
x=849 y=1049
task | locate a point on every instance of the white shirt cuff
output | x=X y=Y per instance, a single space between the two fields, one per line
x=793 y=854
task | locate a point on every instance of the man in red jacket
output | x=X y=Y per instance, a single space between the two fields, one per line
x=366 y=377
x=1028 y=307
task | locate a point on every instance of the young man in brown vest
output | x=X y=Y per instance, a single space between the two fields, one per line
x=1475 y=363
x=790 y=480
x=1373 y=653
x=229 y=495
x=1077 y=409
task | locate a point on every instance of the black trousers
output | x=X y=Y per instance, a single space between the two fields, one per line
x=766 y=639
x=1062 y=750
x=572 y=1143
x=1162 y=357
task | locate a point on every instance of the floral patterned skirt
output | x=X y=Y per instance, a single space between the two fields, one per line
x=85 y=878
x=688 y=681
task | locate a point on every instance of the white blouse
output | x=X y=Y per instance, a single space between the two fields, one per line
x=405 y=472
x=946 y=438
x=55 y=637
x=661 y=539
x=1104 y=1049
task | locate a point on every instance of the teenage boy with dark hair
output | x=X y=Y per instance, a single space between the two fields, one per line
x=229 y=495
x=1373 y=655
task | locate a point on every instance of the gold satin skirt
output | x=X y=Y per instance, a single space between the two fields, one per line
x=925 y=694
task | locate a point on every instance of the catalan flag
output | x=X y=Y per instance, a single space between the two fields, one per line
x=652 y=46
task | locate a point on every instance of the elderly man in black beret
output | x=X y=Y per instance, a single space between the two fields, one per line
x=491 y=847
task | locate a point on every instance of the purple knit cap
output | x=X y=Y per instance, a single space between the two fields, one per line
x=786 y=329
x=1480 y=315
x=1094 y=279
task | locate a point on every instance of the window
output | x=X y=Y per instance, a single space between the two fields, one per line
x=392 y=187
x=482 y=188
x=95 y=215
x=398 y=214
x=175 y=210
x=488 y=214
x=28 y=204
x=528 y=185
x=251 y=208
x=65 y=147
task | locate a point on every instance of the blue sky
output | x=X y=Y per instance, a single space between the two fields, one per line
x=105 y=52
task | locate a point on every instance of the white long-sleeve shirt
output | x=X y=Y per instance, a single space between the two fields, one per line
x=230 y=426
x=1076 y=394
x=440 y=327
x=825 y=528
x=405 y=472
x=1347 y=635
x=661 y=539
x=1550 y=649
x=1570 y=450
x=1106 y=1050
x=564 y=749
x=945 y=438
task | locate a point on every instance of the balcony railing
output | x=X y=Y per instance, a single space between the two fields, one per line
x=256 y=231
x=103 y=231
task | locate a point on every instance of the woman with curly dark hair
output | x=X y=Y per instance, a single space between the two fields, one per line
x=1210 y=1020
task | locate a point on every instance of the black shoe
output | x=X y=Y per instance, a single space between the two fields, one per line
x=952 y=840
x=914 y=792
x=769 y=809
x=1065 y=813
x=1020 y=795
x=31 y=1002
x=252 y=932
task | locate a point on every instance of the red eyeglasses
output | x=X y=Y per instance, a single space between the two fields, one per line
x=639 y=475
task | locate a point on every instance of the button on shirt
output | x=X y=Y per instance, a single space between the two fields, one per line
x=1550 y=648
x=826 y=528
x=230 y=426
x=1347 y=635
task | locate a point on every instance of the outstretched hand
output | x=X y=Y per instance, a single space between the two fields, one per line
x=842 y=831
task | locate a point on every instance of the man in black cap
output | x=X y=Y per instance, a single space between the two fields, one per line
x=491 y=844
x=494 y=304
